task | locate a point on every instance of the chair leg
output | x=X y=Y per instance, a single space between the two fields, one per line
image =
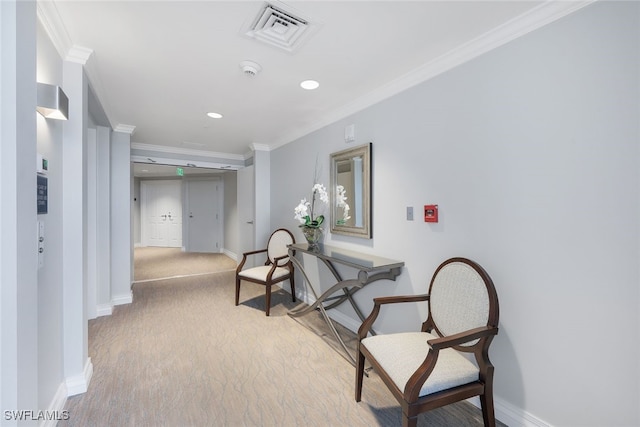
x=409 y=421
x=268 y=299
x=359 y=375
x=237 y=290
x=293 y=289
x=488 y=413
x=486 y=399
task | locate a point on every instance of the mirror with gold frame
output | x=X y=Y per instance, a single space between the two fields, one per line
x=350 y=189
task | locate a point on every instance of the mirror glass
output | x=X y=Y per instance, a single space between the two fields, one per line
x=351 y=191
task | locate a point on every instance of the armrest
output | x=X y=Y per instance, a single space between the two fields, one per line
x=254 y=252
x=462 y=337
x=275 y=265
x=377 y=302
x=244 y=258
x=400 y=298
x=418 y=378
x=277 y=259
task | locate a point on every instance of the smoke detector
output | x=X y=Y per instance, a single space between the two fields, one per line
x=250 y=68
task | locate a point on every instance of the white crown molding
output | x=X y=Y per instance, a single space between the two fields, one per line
x=121 y=127
x=57 y=32
x=260 y=147
x=52 y=23
x=79 y=55
x=185 y=151
x=529 y=21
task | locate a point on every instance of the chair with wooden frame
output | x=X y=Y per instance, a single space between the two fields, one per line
x=277 y=268
x=426 y=370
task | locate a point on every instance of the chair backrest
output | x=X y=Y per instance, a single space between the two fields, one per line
x=462 y=297
x=277 y=245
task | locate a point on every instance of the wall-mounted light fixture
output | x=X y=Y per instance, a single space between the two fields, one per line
x=52 y=102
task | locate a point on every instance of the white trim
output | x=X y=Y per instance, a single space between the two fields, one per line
x=260 y=147
x=56 y=407
x=104 y=310
x=513 y=416
x=80 y=383
x=230 y=254
x=184 y=151
x=122 y=299
x=121 y=127
x=79 y=55
x=529 y=21
x=52 y=23
x=186 y=163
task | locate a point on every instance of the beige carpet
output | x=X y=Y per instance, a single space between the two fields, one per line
x=157 y=263
x=183 y=355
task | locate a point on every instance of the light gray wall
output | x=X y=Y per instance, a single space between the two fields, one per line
x=135 y=208
x=104 y=228
x=121 y=219
x=262 y=180
x=231 y=244
x=532 y=154
x=18 y=246
x=50 y=305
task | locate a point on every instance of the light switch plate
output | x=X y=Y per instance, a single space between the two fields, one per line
x=409 y=213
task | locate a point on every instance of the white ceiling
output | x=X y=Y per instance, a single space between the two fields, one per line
x=158 y=67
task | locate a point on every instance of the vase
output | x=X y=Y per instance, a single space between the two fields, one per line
x=313 y=235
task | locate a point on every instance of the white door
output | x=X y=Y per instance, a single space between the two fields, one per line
x=203 y=216
x=246 y=210
x=161 y=212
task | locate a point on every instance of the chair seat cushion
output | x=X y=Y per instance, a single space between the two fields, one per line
x=260 y=273
x=401 y=354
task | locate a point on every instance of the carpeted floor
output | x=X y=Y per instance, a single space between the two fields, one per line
x=151 y=263
x=182 y=354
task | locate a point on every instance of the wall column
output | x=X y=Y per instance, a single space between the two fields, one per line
x=77 y=364
x=262 y=171
x=121 y=237
x=18 y=238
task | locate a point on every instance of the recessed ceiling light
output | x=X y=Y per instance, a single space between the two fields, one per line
x=215 y=115
x=309 y=84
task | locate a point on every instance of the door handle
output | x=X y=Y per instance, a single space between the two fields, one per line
x=249 y=222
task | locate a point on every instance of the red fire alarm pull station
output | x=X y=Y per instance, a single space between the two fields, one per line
x=430 y=213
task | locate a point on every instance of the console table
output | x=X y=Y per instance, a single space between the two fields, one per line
x=370 y=269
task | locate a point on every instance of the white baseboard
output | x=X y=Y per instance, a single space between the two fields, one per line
x=230 y=254
x=107 y=309
x=511 y=415
x=80 y=383
x=104 y=310
x=55 y=411
x=514 y=416
x=122 y=299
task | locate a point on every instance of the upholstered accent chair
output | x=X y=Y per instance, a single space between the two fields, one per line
x=277 y=267
x=428 y=369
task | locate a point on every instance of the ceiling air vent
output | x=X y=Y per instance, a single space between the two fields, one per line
x=279 y=28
